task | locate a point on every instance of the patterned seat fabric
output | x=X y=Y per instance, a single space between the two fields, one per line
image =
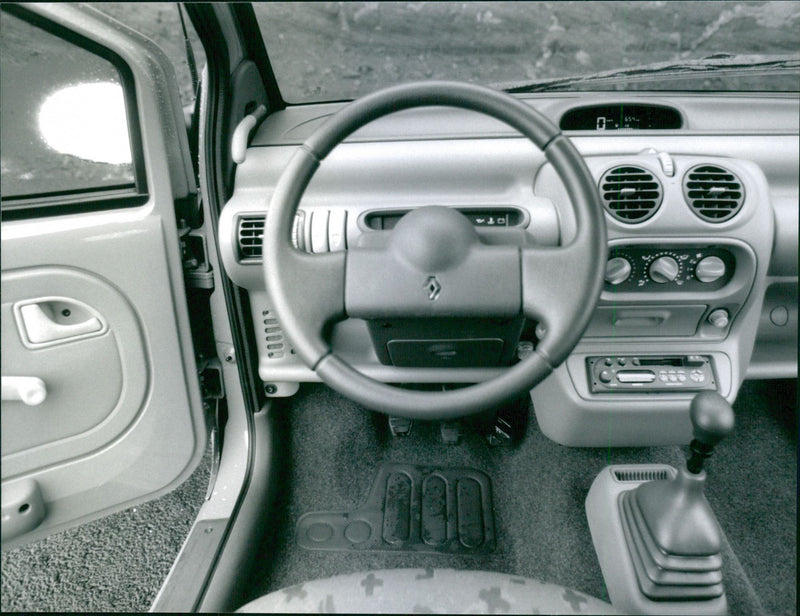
x=428 y=591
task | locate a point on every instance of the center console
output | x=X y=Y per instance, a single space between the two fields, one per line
x=680 y=305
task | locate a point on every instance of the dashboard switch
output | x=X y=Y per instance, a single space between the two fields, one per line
x=618 y=270
x=337 y=222
x=710 y=269
x=319 y=231
x=667 y=166
x=719 y=318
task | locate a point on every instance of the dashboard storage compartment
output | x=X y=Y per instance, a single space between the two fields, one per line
x=445 y=342
x=673 y=320
x=445 y=353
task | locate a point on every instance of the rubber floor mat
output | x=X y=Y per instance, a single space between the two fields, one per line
x=414 y=509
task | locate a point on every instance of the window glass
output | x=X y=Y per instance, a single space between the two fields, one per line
x=161 y=23
x=341 y=50
x=63 y=123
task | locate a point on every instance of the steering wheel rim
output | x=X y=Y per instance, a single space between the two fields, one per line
x=307 y=310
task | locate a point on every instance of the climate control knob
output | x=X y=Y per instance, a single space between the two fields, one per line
x=710 y=269
x=664 y=269
x=618 y=270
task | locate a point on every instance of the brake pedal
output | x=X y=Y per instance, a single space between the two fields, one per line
x=400 y=426
x=501 y=433
x=510 y=423
x=450 y=432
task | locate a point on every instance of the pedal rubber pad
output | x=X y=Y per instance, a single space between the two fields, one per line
x=413 y=509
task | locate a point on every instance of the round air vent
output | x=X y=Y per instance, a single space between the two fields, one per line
x=630 y=194
x=713 y=193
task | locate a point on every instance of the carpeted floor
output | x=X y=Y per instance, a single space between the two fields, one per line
x=334 y=448
x=114 y=564
x=752 y=487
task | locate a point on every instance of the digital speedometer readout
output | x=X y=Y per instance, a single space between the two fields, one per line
x=621 y=117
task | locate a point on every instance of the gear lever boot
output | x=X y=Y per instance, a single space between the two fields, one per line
x=670 y=524
x=655 y=535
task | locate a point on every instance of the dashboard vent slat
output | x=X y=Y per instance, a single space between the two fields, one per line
x=630 y=194
x=713 y=193
x=250 y=236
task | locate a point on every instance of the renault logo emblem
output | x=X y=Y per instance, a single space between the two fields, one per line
x=433 y=287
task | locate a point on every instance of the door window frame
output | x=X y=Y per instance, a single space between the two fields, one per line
x=90 y=199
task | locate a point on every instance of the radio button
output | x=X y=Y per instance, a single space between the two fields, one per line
x=697 y=376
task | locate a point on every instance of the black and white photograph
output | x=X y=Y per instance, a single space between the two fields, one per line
x=400 y=307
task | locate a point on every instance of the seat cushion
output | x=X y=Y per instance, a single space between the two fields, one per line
x=428 y=591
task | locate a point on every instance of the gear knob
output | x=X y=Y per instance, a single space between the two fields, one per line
x=712 y=418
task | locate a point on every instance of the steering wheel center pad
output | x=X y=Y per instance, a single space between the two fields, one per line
x=434 y=265
x=412 y=275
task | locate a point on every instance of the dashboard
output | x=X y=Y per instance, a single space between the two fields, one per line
x=701 y=200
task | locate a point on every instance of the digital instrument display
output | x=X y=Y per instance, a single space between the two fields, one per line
x=621 y=116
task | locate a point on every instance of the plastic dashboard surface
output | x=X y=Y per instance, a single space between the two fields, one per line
x=441 y=156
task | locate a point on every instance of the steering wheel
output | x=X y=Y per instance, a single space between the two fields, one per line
x=434 y=263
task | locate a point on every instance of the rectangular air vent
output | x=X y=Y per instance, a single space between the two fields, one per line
x=276 y=343
x=640 y=475
x=250 y=236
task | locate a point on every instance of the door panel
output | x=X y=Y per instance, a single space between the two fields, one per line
x=89 y=399
x=93 y=304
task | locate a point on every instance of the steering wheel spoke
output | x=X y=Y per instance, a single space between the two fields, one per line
x=554 y=283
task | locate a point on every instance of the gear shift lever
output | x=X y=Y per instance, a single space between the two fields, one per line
x=672 y=518
x=658 y=541
x=712 y=419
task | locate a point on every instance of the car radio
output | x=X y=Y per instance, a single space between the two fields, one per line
x=650 y=374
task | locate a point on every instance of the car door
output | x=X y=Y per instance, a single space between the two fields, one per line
x=101 y=406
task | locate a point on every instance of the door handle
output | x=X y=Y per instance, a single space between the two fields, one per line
x=42 y=326
x=29 y=389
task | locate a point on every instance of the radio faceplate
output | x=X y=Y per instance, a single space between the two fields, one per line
x=650 y=374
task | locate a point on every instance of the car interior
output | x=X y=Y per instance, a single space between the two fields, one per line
x=445 y=346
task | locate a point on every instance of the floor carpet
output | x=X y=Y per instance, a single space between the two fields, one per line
x=332 y=448
x=115 y=564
